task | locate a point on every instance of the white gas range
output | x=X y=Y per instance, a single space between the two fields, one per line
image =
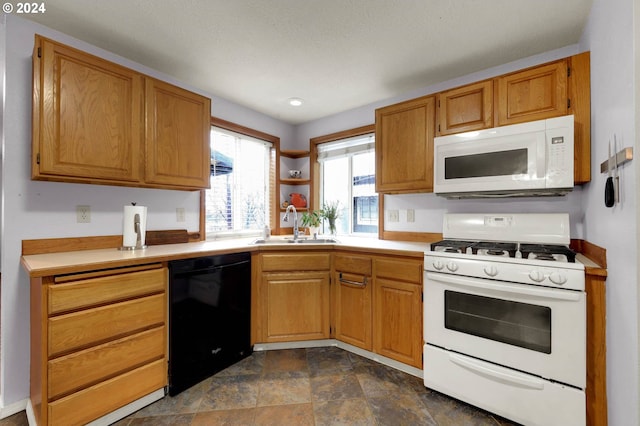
x=505 y=317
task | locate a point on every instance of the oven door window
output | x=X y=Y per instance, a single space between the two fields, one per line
x=514 y=323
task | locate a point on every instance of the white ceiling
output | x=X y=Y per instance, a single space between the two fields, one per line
x=334 y=54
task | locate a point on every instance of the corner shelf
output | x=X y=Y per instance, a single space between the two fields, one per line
x=295 y=181
x=289 y=159
x=294 y=153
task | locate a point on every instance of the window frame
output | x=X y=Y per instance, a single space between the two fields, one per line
x=237 y=128
x=314 y=142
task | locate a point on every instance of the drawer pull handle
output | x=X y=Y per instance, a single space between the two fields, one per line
x=351 y=283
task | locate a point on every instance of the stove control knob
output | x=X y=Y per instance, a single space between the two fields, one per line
x=536 y=276
x=452 y=266
x=438 y=265
x=491 y=270
x=558 y=278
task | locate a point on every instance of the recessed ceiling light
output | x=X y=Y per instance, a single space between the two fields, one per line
x=295 y=101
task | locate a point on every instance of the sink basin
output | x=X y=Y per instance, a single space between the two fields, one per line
x=276 y=241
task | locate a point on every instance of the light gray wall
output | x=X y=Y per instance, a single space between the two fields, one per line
x=33 y=210
x=609 y=36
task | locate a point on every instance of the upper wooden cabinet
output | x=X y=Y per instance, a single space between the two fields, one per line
x=177 y=136
x=87 y=116
x=89 y=120
x=404 y=146
x=465 y=108
x=533 y=94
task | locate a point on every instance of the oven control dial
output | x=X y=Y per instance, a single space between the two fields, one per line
x=491 y=270
x=438 y=265
x=452 y=266
x=558 y=278
x=536 y=276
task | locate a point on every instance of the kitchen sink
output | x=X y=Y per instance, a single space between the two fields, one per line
x=276 y=241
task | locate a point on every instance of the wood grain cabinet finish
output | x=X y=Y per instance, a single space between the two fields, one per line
x=98 y=342
x=293 y=297
x=404 y=146
x=87 y=115
x=397 y=296
x=533 y=94
x=466 y=108
x=177 y=137
x=101 y=123
x=353 y=286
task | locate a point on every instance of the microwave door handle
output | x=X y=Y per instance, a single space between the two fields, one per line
x=495 y=374
x=541 y=161
x=517 y=289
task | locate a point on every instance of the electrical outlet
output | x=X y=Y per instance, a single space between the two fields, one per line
x=180 y=216
x=411 y=215
x=83 y=214
x=394 y=216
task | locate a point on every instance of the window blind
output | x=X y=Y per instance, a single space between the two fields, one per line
x=346 y=147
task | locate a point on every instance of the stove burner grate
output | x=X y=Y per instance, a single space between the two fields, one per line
x=547 y=252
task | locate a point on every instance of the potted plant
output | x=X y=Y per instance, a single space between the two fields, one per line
x=331 y=211
x=311 y=220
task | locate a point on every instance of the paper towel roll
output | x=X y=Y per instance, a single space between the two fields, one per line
x=129 y=235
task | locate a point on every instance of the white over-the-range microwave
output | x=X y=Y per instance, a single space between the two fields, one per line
x=528 y=159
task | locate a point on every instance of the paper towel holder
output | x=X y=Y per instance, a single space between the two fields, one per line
x=138 y=231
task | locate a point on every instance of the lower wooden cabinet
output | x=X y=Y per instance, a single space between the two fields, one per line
x=291 y=290
x=98 y=342
x=297 y=306
x=397 y=309
x=353 y=285
x=373 y=302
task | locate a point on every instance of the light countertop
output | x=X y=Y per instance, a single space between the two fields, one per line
x=39 y=265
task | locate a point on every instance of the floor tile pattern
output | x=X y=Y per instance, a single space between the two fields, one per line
x=315 y=386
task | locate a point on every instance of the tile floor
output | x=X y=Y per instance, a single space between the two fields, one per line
x=315 y=386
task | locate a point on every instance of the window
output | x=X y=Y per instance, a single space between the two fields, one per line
x=241 y=174
x=347 y=175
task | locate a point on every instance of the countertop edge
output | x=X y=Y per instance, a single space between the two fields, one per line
x=41 y=265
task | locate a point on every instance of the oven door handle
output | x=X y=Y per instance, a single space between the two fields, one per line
x=495 y=374
x=517 y=289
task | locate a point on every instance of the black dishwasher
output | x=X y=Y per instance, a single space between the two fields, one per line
x=209 y=317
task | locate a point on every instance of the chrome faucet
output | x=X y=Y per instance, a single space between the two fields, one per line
x=295 y=220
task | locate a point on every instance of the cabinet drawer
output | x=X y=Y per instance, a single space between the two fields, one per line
x=353 y=264
x=101 y=362
x=97 y=325
x=81 y=407
x=296 y=262
x=400 y=269
x=97 y=291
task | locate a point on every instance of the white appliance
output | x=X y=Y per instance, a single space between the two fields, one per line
x=505 y=317
x=534 y=158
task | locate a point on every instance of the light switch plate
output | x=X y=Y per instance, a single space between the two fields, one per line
x=411 y=215
x=394 y=216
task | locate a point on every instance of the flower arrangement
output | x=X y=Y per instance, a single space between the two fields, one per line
x=331 y=211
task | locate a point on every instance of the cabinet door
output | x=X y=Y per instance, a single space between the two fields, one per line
x=87 y=115
x=397 y=332
x=177 y=136
x=533 y=94
x=404 y=146
x=353 y=309
x=466 y=108
x=297 y=306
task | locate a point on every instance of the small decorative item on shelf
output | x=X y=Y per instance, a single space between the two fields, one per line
x=295 y=174
x=298 y=200
x=285 y=204
x=311 y=220
x=331 y=211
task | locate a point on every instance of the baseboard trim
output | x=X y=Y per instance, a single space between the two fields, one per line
x=128 y=409
x=16 y=407
x=347 y=347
